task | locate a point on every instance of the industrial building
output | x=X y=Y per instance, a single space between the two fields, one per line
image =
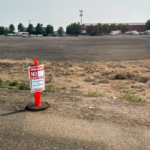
x=140 y=27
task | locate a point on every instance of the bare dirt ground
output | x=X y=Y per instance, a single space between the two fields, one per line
x=108 y=64
x=69 y=124
x=83 y=48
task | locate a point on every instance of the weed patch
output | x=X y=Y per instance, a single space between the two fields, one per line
x=96 y=93
x=23 y=86
x=130 y=97
x=3 y=84
x=50 y=89
x=13 y=83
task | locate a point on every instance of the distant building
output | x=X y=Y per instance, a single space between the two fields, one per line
x=133 y=26
x=137 y=26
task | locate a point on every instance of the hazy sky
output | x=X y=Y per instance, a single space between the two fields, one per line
x=63 y=12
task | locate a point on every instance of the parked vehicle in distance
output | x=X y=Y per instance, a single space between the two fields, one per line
x=22 y=33
x=26 y=35
x=101 y=33
x=141 y=33
x=147 y=32
x=115 y=32
x=134 y=32
x=33 y=35
x=10 y=34
x=128 y=32
x=54 y=35
x=40 y=35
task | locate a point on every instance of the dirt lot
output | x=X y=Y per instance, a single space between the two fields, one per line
x=70 y=123
x=122 y=47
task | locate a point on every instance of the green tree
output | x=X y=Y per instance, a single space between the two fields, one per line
x=99 y=28
x=20 y=27
x=6 y=30
x=30 y=28
x=105 y=28
x=120 y=26
x=2 y=31
x=69 y=29
x=60 y=31
x=11 y=28
x=39 y=28
x=74 y=29
x=50 y=29
x=148 y=25
x=126 y=27
x=112 y=27
x=93 y=30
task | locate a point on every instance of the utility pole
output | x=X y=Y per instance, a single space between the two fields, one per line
x=81 y=11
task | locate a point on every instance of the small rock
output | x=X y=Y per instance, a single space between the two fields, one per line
x=114 y=97
x=91 y=107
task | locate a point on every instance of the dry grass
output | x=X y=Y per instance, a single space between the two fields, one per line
x=50 y=89
x=111 y=77
x=3 y=84
x=23 y=86
x=130 y=97
x=96 y=93
x=13 y=83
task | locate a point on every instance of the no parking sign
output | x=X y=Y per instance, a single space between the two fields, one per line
x=37 y=78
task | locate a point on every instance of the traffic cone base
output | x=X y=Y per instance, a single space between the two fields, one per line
x=32 y=107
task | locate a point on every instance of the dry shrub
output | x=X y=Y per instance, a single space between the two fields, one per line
x=143 y=79
x=148 y=84
x=124 y=75
x=96 y=93
x=140 y=86
x=97 y=75
x=104 y=81
x=71 y=70
x=82 y=74
x=67 y=64
x=89 y=78
x=121 y=76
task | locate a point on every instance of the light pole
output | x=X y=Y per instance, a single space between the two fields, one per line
x=81 y=11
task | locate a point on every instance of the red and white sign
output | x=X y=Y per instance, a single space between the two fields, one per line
x=37 y=78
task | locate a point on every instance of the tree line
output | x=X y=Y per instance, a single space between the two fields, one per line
x=72 y=29
x=39 y=30
x=107 y=28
